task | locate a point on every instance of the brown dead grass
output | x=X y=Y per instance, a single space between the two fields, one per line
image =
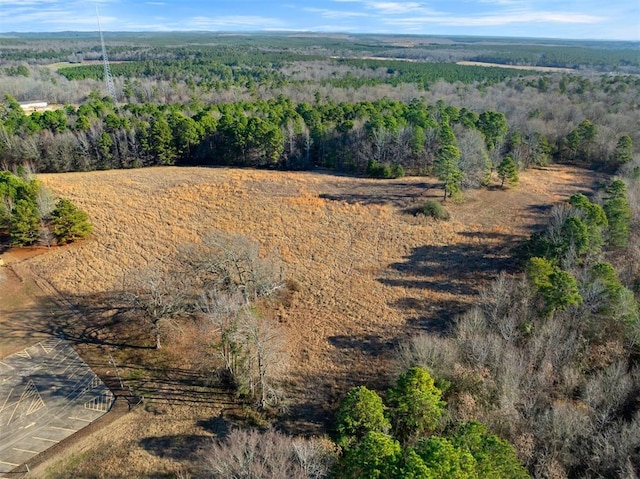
x=343 y=240
x=518 y=67
x=369 y=272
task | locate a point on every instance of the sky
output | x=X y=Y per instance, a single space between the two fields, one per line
x=567 y=19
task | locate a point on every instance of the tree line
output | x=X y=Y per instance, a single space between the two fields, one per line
x=602 y=56
x=548 y=359
x=382 y=138
x=29 y=213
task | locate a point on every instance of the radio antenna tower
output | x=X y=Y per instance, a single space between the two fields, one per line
x=108 y=78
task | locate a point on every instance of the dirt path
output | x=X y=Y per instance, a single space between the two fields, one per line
x=24 y=309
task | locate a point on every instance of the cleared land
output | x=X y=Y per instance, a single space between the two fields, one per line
x=369 y=274
x=517 y=67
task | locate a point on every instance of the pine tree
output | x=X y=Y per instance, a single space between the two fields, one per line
x=69 y=223
x=618 y=213
x=415 y=404
x=508 y=171
x=447 y=169
x=360 y=412
x=24 y=228
x=624 y=150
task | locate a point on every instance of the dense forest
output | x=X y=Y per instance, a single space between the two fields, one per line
x=312 y=103
x=540 y=378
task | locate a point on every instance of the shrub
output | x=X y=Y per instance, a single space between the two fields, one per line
x=434 y=209
x=69 y=223
x=397 y=171
x=416 y=404
x=360 y=412
x=270 y=455
x=384 y=171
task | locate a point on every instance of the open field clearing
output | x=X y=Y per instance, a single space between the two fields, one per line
x=367 y=271
x=369 y=274
x=518 y=67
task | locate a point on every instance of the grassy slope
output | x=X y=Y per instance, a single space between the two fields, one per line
x=369 y=274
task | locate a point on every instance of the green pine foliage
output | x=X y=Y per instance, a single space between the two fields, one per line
x=361 y=411
x=508 y=171
x=24 y=223
x=579 y=237
x=19 y=216
x=618 y=212
x=577 y=145
x=378 y=455
x=413 y=451
x=26 y=211
x=415 y=404
x=69 y=223
x=493 y=126
x=444 y=460
x=575 y=234
x=595 y=220
x=558 y=288
x=624 y=150
x=434 y=209
x=617 y=301
x=384 y=171
x=494 y=458
x=447 y=170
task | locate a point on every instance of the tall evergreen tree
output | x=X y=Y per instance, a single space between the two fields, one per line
x=415 y=404
x=508 y=171
x=24 y=223
x=624 y=150
x=618 y=212
x=447 y=169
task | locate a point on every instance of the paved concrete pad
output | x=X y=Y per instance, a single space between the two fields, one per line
x=47 y=392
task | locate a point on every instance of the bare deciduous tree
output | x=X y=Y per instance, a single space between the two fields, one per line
x=250 y=344
x=160 y=295
x=268 y=455
x=232 y=262
x=266 y=354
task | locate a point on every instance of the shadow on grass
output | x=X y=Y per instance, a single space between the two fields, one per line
x=181 y=447
x=65 y=325
x=404 y=195
x=119 y=347
x=370 y=345
x=456 y=270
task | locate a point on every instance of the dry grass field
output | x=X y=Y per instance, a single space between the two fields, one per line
x=369 y=273
x=518 y=67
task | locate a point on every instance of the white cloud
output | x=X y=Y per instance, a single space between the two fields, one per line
x=395 y=8
x=498 y=19
x=250 y=22
x=591 y=18
x=326 y=13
